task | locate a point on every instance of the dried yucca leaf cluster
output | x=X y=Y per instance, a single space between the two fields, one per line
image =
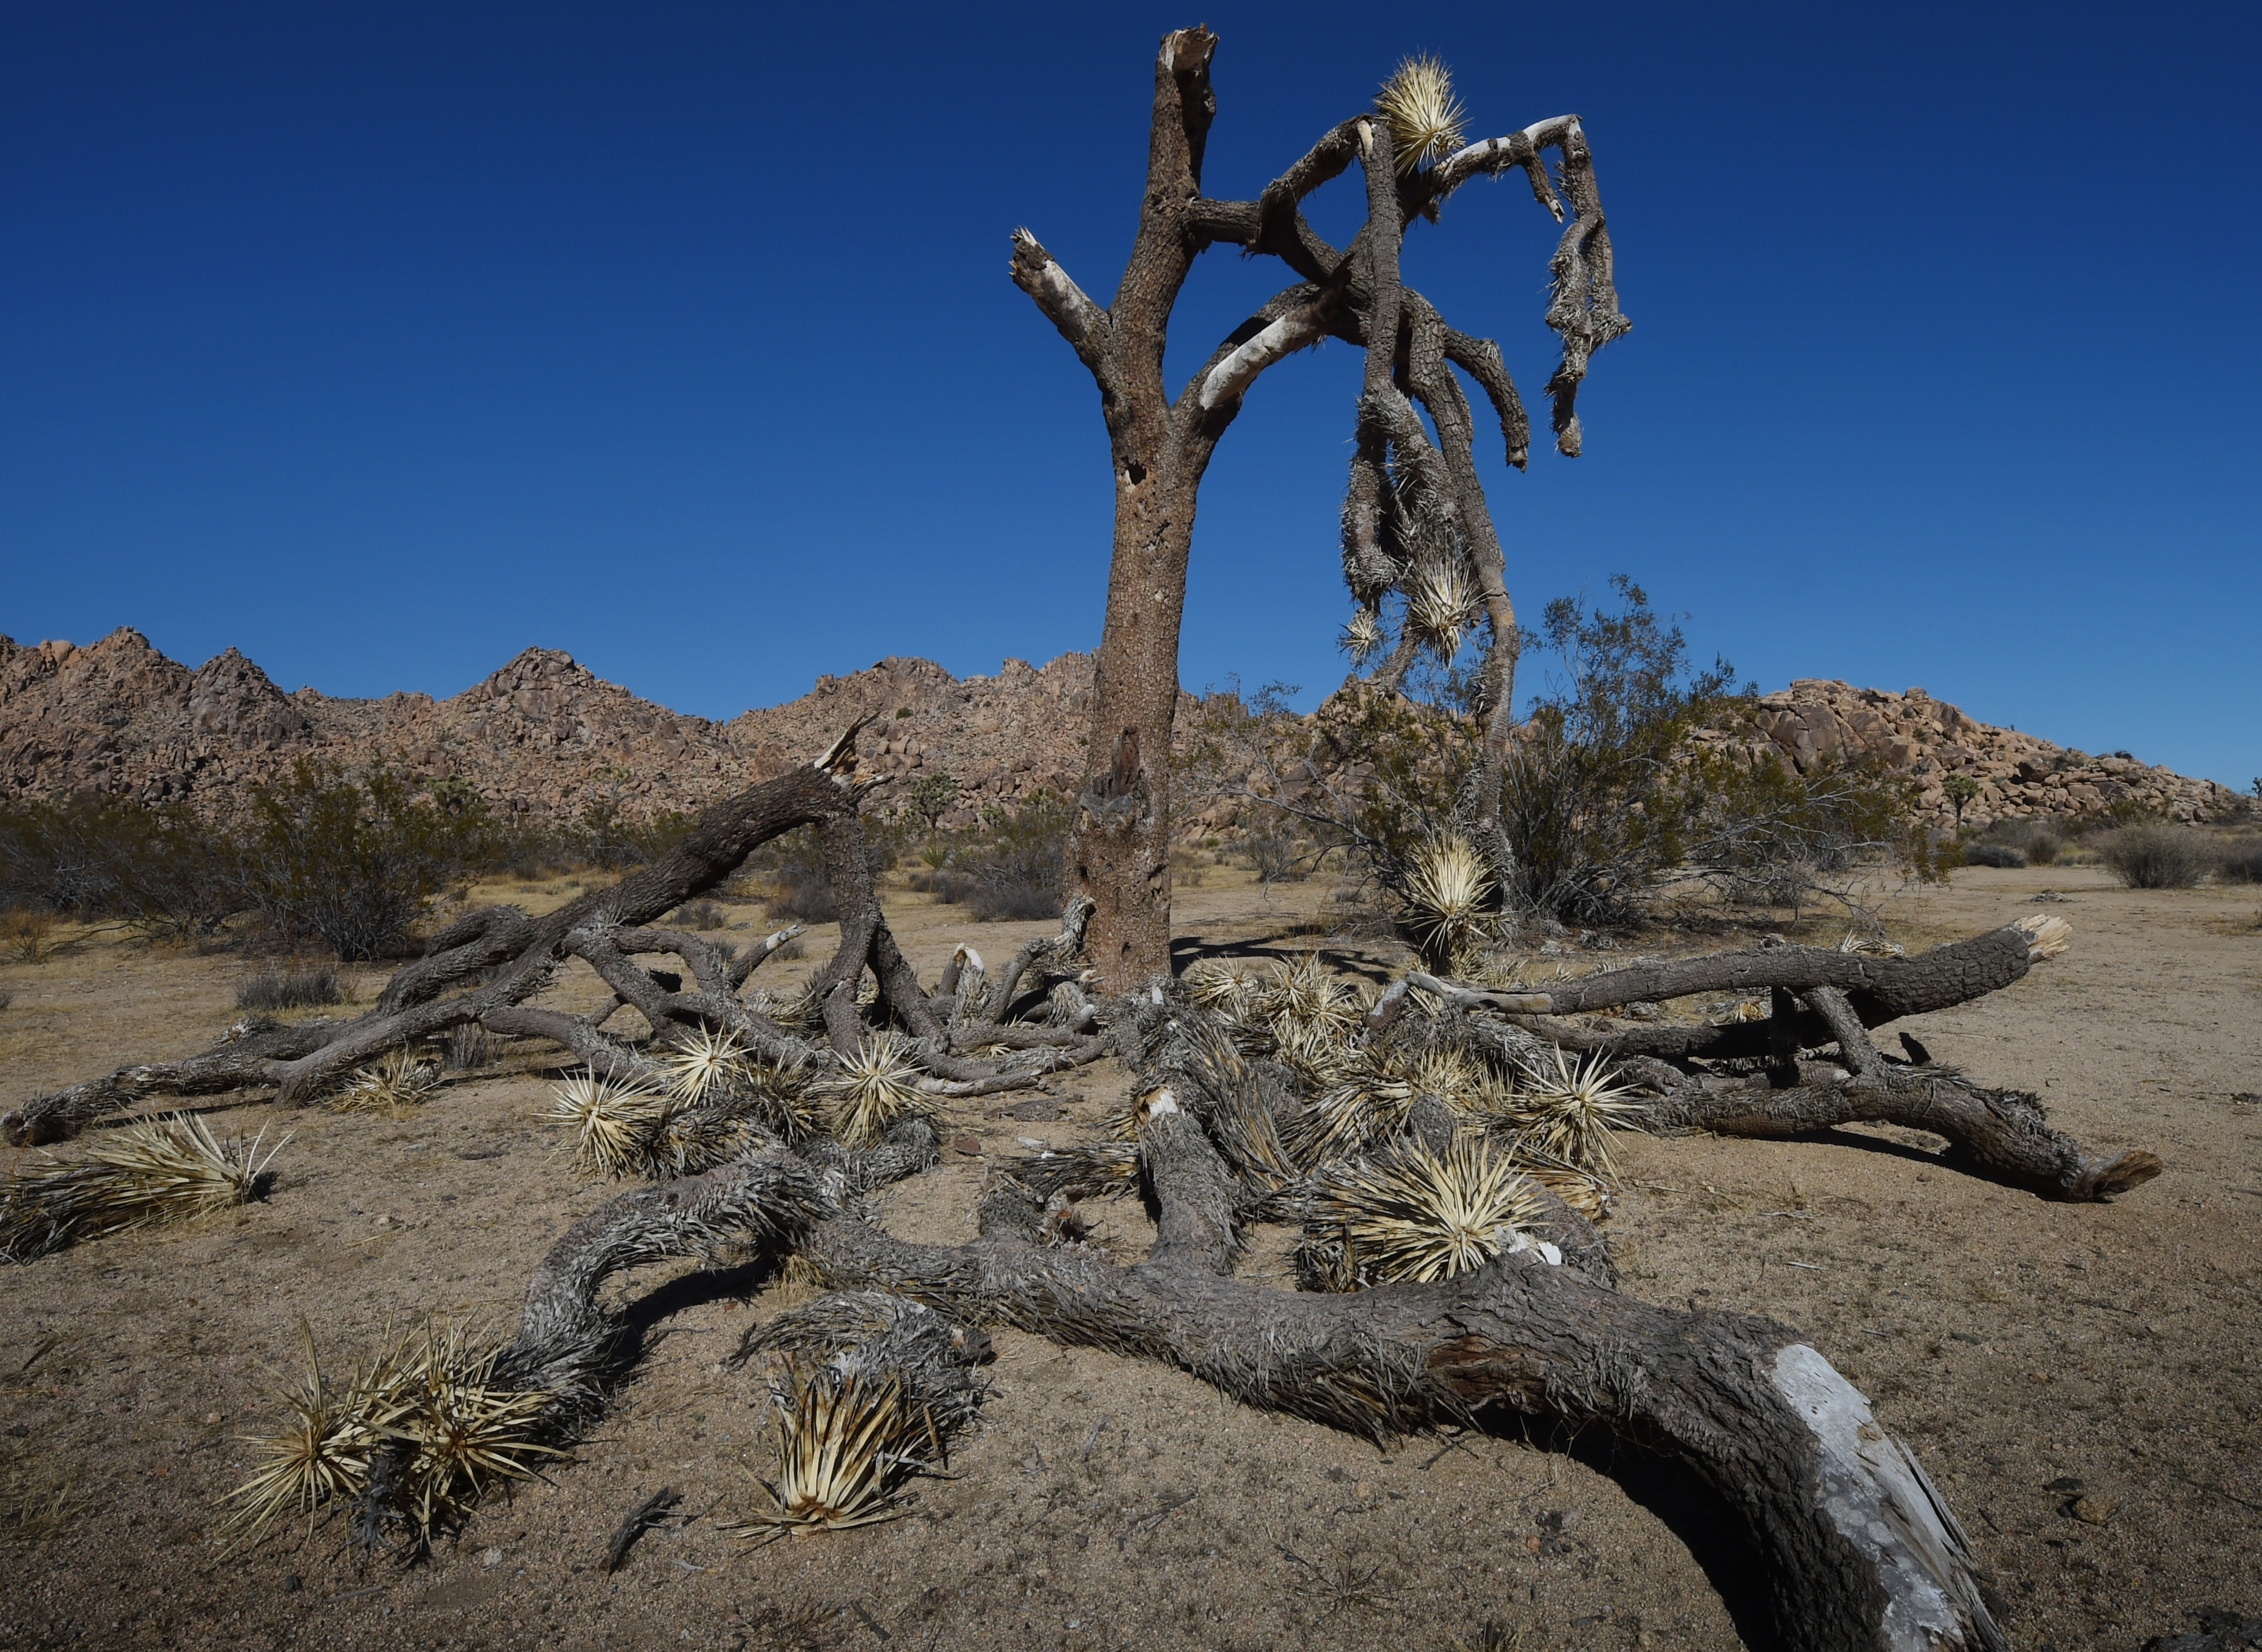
x=716 y=1104
x=1426 y=120
x=1413 y=1214
x=1448 y=889
x=845 y=1443
x=412 y=1439
x=169 y=1169
x=871 y=1386
x=870 y=1091
x=399 y=1078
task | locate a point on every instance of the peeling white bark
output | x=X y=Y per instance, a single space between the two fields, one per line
x=1881 y=1502
x=1305 y=325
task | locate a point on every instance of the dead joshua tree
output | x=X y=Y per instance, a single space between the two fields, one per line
x=1456 y=1281
x=1415 y=517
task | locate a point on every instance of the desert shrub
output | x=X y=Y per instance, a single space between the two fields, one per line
x=162 y=872
x=1002 y=899
x=1608 y=796
x=699 y=914
x=24 y=933
x=1017 y=859
x=802 y=898
x=289 y=986
x=1992 y=855
x=6 y=999
x=1272 y=856
x=2157 y=856
x=469 y=1047
x=945 y=883
x=611 y=835
x=932 y=795
x=2240 y=862
x=2037 y=840
x=353 y=861
x=1013 y=865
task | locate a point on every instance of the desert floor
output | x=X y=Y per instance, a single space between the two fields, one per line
x=2017 y=1345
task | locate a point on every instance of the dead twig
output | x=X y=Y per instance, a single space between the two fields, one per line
x=651 y=1513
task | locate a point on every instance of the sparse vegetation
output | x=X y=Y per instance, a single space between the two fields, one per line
x=289 y=986
x=1013 y=865
x=1607 y=797
x=2240 y=862
x=932 y=795
x=2000 y=855
x=2157 y=856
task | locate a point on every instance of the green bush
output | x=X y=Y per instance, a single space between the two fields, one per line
x=1608 y=796
x=353 y=861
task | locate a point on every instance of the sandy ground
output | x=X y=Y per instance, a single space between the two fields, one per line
x=2017 y=1345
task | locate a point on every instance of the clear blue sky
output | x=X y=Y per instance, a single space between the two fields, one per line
x=381 y=341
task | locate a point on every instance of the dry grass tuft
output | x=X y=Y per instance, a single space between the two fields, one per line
x=170 y=1169
x=37 y=1503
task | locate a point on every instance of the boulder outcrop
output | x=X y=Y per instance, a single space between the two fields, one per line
x=547 y=736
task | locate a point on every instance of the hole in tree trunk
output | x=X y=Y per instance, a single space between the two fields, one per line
x=1136 y=471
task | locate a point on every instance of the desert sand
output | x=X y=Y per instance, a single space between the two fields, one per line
x=2019 y=1345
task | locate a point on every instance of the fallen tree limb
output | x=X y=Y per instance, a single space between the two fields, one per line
x=2002 y=1129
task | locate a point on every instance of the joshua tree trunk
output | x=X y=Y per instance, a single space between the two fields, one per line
x=1160 y=447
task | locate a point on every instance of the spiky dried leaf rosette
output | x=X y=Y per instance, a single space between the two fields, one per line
x=1303 y=1001
x=846 y=1442
x=1583 y=1190
x=1426 y=119
x=1447 y=888
x=1443 y=603
x=423 y=1422
x=168 y=1169
x=1412 y=1214
x=397 y=1079
x=1363 y=636
x=1360 y=1110
x=870 y=1089
x=321 y=1453
x=1220 y=988
x=1572 y=1109
x=705 y=1066
x=468 y=1432
x=615 y=1124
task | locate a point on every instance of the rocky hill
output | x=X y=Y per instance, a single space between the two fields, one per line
x=545 y=735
